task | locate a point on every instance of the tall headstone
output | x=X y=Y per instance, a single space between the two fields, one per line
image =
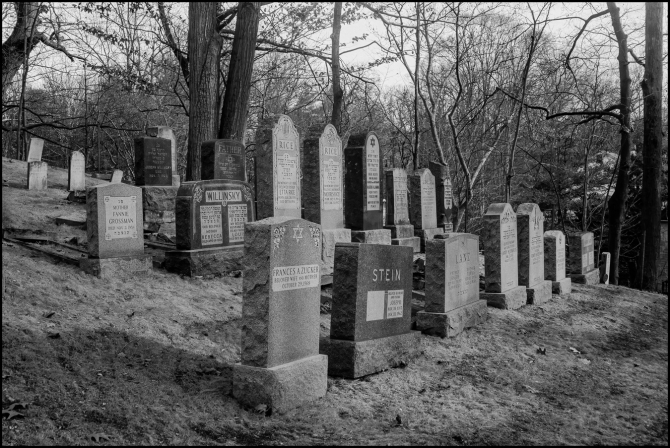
x=210 y=219
x=278 y=171
x=499 y=240
x=223 y=159
x=76 y=174
x=605 y=258
x=397 y=216
x=166 y=132
x=423 y=206
x=581 y=262
x=363 y=190
x=35 y=150
x=323 y=191
x=444 y=195
x=281 y=365
x=452 y=301
x=37 y=175
x=530 y=231
x=114 y=231
x=554 y=262
x=371 y=314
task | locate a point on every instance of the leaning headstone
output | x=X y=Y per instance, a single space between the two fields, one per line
x=370 y=327
x=452 y=301
x=281 y=367
x=223 y=159
x=423 y=206
x=530 y=232
x=554 y=262
x=117 y=176
x=210 y=219
x=114 y=231
x=581 y=263
x=278 y=171
x=166 y=132
x=362 y=190
x=323 y=192
x=499 y=240
x=444 y=195
x=37 y=175
x=397 y=217
x=35 y=150
x=76 y=177
x=605 y=268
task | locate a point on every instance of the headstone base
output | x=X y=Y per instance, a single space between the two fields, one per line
x=377 y=236
x=590 y=278
x=158 y=204
x=77 y=196
x=353 y=359
x=449 y=324
x=562 y=286
x=194 y=263
x=539 y=293
x=283 y=387
x=176 y=180
x=117 y=267
x=328 y=238
x=509 y=300
x=414 y=242
x=401 y=230
x=427 y=234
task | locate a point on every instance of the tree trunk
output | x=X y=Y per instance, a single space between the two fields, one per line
x=338 y=94
x=653 y=134
x=617 y=203
x=238 y=86
x=417 y=133
x=204 y=49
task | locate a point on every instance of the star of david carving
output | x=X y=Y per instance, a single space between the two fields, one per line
x=297 y=233
x=373 y=142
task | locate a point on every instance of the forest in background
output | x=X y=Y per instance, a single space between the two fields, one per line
x=523 y=102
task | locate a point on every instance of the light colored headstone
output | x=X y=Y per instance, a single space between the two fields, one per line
x=580 y=257
x=37 y=175
x=554 y=255
x=35 y=151
x=166 y=132
x=605 y=267
x=117 y=177
x=77 y=172
x=530 y=230
x=397 y=203
x=423 y=208
x=499 y=238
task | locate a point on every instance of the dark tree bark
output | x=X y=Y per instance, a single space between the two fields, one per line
x=617 y=203
x=204 y=50
x=653 y=134
x=338 y=94
x=417 y=132
x=238 y=86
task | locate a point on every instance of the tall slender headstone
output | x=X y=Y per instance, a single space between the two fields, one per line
x=76 y=175
x=581 y=263
x=499 y=240
x=223 y=159
x=323 y=191
x=554 y=262
x=281 y=365
x=444 y=194
x=423 y=206
x=114 y=231
x=363 y=190
x=397 y=216
x=605 y=267
x=35 y=150
x=530 y=231
x=166 y=132
x=370 y=328
x=452 y=301
x=37 y=175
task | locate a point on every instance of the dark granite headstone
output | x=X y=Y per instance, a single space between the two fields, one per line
x=166 y=132
x=580 y=253
x=363 y=182
x=76 y=174
x=499 y=239
x=444 y=195
x=153 y=161
x=396 y=203
x=223 y=159
x=37 y=175
x=35 y=150
x=422 y=208
x=554 y=255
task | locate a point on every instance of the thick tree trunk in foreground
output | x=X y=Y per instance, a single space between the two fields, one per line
x=338 y=94
x=204 y=50
x=238 y=86
x=13 y=52
x=651 y=153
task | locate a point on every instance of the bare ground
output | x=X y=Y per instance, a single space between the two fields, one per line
x=146 y=361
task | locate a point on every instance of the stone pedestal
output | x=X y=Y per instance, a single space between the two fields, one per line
x=589 y=278
x=117 y=267
x=401 y=230
x=77 y=196
x=539 y=293
x=378 y=236
x=158 y=204
x=197 y=262
x=563 y=286
x=451 y=323
x=414 y=242
x=509 y=300
x=427 y=234
x=354 y=359
x=281 y=387
x=329 y=238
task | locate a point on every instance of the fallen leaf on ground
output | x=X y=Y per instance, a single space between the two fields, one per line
x=19 y=405
x=53 y=335
x=98 y=437
x=11 y=414
x=584 y=361
x=48 y=314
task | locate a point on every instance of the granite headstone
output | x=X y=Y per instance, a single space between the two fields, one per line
x=223 y=159
x=76 y=174
x=554 y=262
x=362 y=182
x=530 y=232
x=396 y=192
x=153 y=161
x=117 y=176
x=37 y=175
x=444 y=195
x=166 y=132
x=423 y=209
x=35 y=150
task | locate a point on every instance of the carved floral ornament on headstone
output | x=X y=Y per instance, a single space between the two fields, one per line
x=508 y=216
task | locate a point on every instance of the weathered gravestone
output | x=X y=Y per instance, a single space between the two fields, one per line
x=444 y=195
x=210 y=219
x=371 y=315
x=323 y=193
x=605 y=268
x=223 y=159
x=423 y=206
x=281 y=365
x=397 y=216
x=362 y=190
x=114 y=231
x=76 y=177
x=166 y=133
x=554 y=262
x=499 y=239
x=581 y=263
x=117 y=176
x=452 y=301
x=37 y=175
x=278 y=191
x=530 y=233
x=35 y=150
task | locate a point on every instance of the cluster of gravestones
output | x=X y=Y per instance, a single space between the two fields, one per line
x=284 y=362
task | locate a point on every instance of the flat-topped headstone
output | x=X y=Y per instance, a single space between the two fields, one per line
x=396 y=193
x=444 y=195
x=554 y=262
x=37 y=175
x=362 y=182
x=166 y=132
x=117 y=176
x=223 y=159
x=530 y=232
x=580 y=254
x=76 y=174
x=35 y=150
x=153 y=161
x=423 y=209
